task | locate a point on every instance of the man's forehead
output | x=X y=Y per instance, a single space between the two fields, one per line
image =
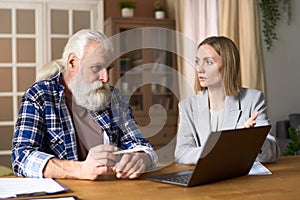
x=94 y=49
x=97 y=53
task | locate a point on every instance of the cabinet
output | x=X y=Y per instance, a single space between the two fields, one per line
x=145 y=70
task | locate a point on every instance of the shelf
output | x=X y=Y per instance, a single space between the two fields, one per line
x=145 y=76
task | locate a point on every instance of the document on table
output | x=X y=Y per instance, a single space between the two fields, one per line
x=28 y=187
x=58 y=198
x=259 y=169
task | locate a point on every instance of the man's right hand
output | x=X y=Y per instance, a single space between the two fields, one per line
x=100 y=160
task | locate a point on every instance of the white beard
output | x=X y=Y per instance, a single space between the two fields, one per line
x=93 y=96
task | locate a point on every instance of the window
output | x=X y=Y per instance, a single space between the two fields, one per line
x=64 y=20
x=32 y=33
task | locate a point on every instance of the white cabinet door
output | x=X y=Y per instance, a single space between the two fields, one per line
x=32 y=33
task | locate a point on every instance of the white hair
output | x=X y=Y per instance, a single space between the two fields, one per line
x=78 y=42
x=50 y=69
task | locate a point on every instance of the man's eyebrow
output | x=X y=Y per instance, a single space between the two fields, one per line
x=102 y=65
x=97 y=65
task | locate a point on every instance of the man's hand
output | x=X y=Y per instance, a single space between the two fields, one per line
x=251 y=121
x=100 y=160
x=132 y=165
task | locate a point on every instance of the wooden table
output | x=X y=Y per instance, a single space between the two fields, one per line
x=283 y=184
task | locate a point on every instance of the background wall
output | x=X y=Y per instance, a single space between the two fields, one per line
x=282 y=69
x=143 y=8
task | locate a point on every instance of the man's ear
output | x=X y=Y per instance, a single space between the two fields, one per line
x=72 y=63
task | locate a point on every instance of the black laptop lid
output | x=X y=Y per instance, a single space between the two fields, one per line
x=231 y=153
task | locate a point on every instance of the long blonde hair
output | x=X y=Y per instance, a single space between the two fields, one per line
x=230 y=70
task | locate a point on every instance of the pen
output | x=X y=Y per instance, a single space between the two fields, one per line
x=31 y=194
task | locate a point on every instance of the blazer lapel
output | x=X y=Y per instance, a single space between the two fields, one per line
x=232 y=112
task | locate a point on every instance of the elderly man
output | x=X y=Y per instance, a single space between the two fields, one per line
x=71 y=124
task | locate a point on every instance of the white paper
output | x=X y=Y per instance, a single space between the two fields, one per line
x=57 y=198
x=259 y=169
x=11 y=187
x=136 y=149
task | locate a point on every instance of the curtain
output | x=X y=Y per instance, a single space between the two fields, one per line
x=195 y=20
x=239 y=21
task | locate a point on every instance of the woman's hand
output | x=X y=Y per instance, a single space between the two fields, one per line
x=251 y=121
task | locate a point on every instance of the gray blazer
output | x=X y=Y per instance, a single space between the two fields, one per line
x=194 y=123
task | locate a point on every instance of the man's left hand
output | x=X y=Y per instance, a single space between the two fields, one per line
x=132 y=165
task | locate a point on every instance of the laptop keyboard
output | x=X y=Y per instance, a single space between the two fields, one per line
x=184 y=179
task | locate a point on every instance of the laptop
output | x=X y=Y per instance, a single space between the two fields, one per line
x=226 y=154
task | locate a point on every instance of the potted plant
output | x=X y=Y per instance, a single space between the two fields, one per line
x=127 y=8
x=159 y=10
x=293 y=147
x=271 y=15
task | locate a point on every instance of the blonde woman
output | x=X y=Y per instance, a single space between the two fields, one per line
x=221 y=103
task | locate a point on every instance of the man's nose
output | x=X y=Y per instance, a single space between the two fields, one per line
x=104 y=75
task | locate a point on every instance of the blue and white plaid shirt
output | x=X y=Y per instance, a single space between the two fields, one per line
x=44 y=128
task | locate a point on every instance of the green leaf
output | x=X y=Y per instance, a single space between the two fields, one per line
x=271 y=16
x=293 y=147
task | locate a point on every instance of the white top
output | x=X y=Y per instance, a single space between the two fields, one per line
x=216 y=119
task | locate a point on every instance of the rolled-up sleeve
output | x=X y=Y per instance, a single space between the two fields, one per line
x=27 y=157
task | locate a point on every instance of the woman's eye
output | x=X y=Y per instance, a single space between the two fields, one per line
x=209 y=62
x=197 y=62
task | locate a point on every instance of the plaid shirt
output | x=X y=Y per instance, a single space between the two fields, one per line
x=44 y=128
